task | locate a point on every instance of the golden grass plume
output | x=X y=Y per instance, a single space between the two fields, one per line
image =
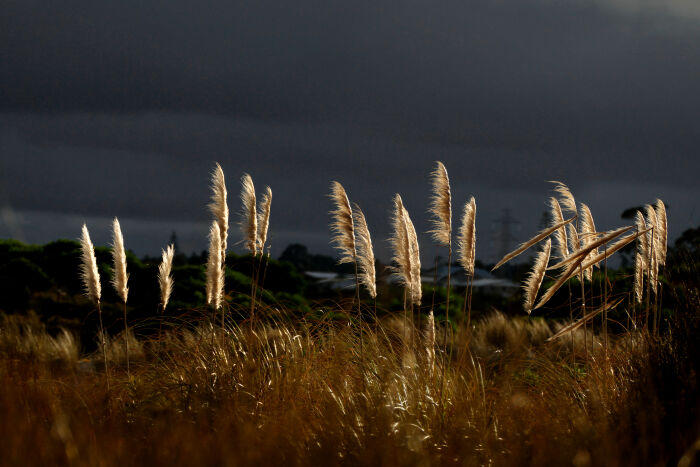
x=466 y=237
x=588 y=232
x=416 y=285
x=342 y=226
x=559 y=234
x=249 y=214
x=533 y=241
x=662 y=226
x=400 y=245
x=88 y=268
x=652 y=249
x=218 y=206
x=215 y=273
x=165 y=278
x=365 y=252
x=567 y=199
x=535 y=276
x=264 y=218
x=441 y=206
x=120 y=278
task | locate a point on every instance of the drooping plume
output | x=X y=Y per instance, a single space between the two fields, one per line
x=560 y=233
x=120 y=279
x=588 y=231
x=574 y=244
x=535 y=276
x=218 y=206
x=416 y=285
x=264 y=219
x=575 y=259
x=533 y=241
x=165 y=279
x=88 y=268
x=249 y=215
x=583 y=253
x=215 y=273
x=567 y=199
x=365 y=253
x=441 y=206
x=466 y=237
x=342 y=226
x=639 y=259
x=662 y=226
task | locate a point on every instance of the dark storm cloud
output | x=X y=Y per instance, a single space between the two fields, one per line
x=511 y=74
x=120 y=108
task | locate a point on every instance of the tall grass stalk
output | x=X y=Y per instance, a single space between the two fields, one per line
x=441 y=209
x=120 y=278
x=91 y=283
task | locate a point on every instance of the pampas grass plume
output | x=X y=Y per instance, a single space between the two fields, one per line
x=342 y=225
x=165 y=279
x=88 y=268
x=215 y=273
x=588 y=236
x=567 y=199
x=218 y=206
x=466 y=237
x=249 y=215
x=120 y=279
x=560 y=233
x=535 y=276
x=662 y=226
x=416 y=285
x=264 y=219
x=365 y=252
x=441 y=206
x=399 y=244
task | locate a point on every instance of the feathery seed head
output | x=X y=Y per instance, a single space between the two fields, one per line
x=342 y=226
x=365 y=253
x=535 y=276
x=560 y=233
x=662 y=226
x=466 y=239
x=399 y=244
x=165 y=279
x=215 y=272
x=441 y=206
x=567 y=199
x=249 y=215
x=652 y=247
x=588 y=236
x=416 y=285
x=218 y=206
x=88 y=268
x=264 y=219
x=120 y=279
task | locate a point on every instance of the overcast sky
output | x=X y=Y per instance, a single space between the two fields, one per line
x=122 y=108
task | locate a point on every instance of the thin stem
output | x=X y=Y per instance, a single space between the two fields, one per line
x=447 y=305
x=104 y=343
x=359 y=311
x=126 y=342
x=252 y=292
x=605 y=302
x=583 y=311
